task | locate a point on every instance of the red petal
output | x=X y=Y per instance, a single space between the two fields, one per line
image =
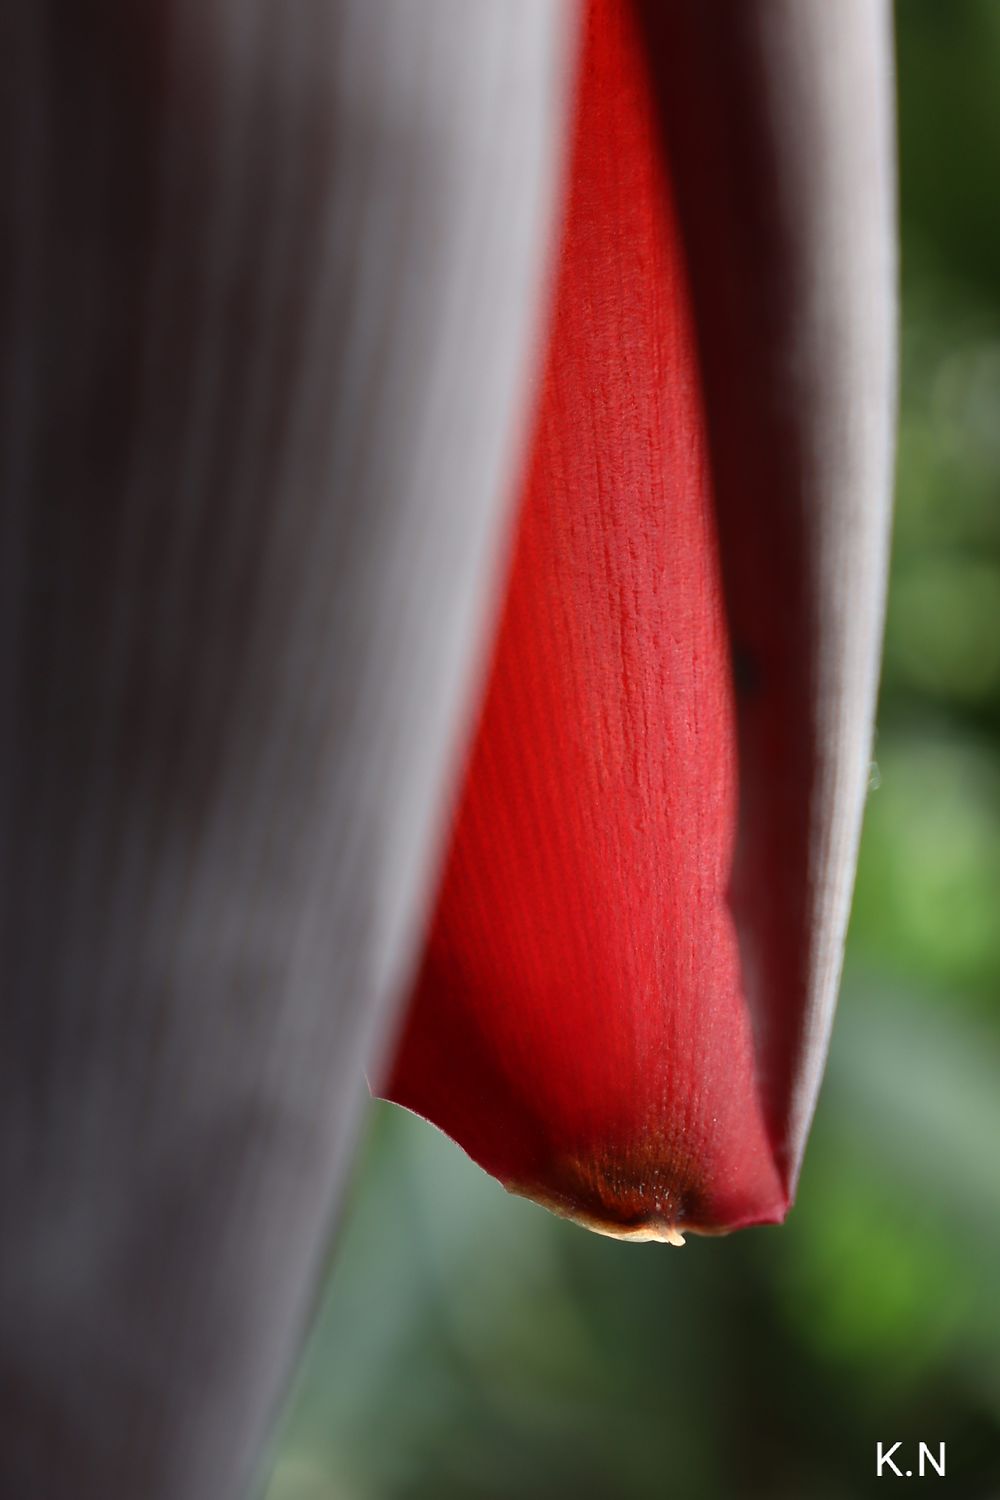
x=578 y=1024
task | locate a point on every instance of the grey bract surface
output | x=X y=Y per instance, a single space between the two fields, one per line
x=272 y=283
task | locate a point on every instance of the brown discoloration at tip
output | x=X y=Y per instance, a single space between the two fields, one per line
x=642 y=1196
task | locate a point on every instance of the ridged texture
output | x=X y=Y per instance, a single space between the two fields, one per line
x=719 y=396
x=271 y=282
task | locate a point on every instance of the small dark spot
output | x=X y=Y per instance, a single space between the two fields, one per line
x=746 y=673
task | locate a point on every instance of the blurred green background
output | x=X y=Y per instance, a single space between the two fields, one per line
x=471 y=1347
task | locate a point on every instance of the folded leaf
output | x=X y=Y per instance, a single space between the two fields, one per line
x=582 y=1023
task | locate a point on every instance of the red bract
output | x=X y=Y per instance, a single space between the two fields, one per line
x=580 y=1024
